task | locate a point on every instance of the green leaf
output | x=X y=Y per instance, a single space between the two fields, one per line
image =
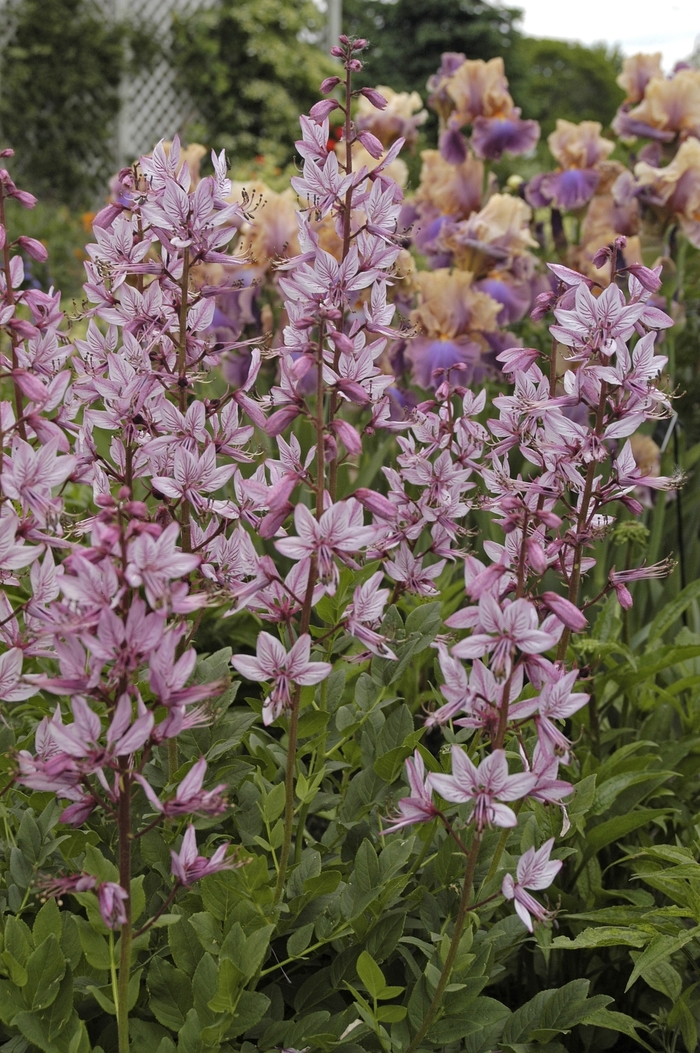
x=47 y=921
x=660 y=949
x=45 y=969
x=17 y=972
x=21 y=869
x=170 y=994
x=682 y=1017
x=189 y=1039
x=273 y=803
x=44 y=1027
x=18 y=939
x=250 y=1010
x=29 y=838
x=220 y=894
x=11 y=1001
x=103 y=997
x=95 y=946
x=370 y=974
x=367 y=867
x=614 y=829
x=605 y=936
x=670 y=614
x=552 y=1012
x=208 y=930
x=614 y=1021
x=248 y=953
x=229 y=983
x=300 y=940
x=185 y=945
x=390 y=764
x=390 y=1014
x=484 y=1017
x=664 y=978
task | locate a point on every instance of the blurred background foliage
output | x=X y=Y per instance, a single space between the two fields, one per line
x=251 y=68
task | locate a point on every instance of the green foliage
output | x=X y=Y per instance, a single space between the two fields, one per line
x=559 y=79
x=59 y=94
x=251 y=71
x=408 y=37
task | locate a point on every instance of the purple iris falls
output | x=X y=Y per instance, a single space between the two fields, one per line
x=492 y=136
x=568 y=189
x=430 y=354
x=515 y=297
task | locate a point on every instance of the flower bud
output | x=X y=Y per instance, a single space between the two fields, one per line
x=375 y=503
x=320 y=110
x=375 y=97
x=33 y=248
x=329 y=84
x=565 y=611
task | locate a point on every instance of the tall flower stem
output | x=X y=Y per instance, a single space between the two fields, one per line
x=182 y=349
x=347 y=231
x=575 y=579
x=290 y=767
x=124 y=827
x=454 y=944
x=10 y=295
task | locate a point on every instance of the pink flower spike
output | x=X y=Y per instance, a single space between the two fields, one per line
x=536 y=871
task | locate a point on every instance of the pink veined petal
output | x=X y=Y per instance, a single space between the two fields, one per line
x=523 y=914
x=490 y=614
x=449 y=788
x=136 y=737
x=464 y=769
x=298 y=657
x=502 y=815
x=475 y=646
x=271 y=653
x=192 y=783
x=534 y=641
x=150 y=792
x=314 y=673
x=518 y=786
x=249 y=667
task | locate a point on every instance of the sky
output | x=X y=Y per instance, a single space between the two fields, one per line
x=669 y=26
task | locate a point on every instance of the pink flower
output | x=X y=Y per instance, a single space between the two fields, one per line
x=155 y=562
x=534 y=871
x=189 y=797
x=485 y=786
x=283 y=668
x=556 y=701
x=188 y=867
x=111 y=898
x=339 y=532
x=419 y=807
x=11 y=687
x=504 y=628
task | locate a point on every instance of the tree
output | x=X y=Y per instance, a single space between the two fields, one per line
x=59 y=94
x=408 y=37
x=251 y=69
x=557 y=78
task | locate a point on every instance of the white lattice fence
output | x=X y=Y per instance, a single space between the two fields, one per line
x=153 y=106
